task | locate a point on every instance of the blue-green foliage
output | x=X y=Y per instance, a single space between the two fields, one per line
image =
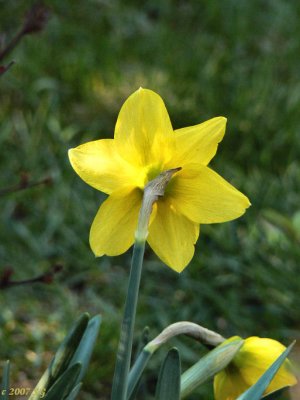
x=4 y=388
x=168 y=384
x=239 y=59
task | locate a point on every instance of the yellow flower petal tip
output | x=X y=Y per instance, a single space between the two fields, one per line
x=144 y=146
x=253 y=359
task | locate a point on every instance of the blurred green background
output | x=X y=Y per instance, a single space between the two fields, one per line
x=239 y=59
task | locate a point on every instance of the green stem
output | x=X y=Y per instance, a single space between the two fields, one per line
x=119 y=389
x=153 y=190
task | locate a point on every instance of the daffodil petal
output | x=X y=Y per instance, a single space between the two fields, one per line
x=256 y=356
x=100 y=165
x=172 y=236
x=143 y=130
x=112 y=231
x=205 y=197
x=228 y=386
x=199 y=143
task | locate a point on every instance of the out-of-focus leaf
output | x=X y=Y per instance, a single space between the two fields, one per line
x=69 y=346
x=283 y=223
x=64 y=384
x=4 y=393
x=296 y=222
x=85 y=348
x=74 y=392
x=62 y=357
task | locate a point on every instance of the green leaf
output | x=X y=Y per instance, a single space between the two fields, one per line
x=136 y=372
x=256 y=391
x=143 y=340
x=208 y=366
x=168 y=386
x=282 y=222
x=141 y=360
x=65 y=384
x=69 y=346
x=62 y=357
x=74 y=393
x=4 y=393
x=85 y=348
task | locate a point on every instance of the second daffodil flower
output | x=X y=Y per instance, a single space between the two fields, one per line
x=253 y=359
x=145 y=145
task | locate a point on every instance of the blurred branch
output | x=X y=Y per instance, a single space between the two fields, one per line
x=4 y=68
x=12 y=44
x=25 y=184
x=47 y=277
x=35 y=21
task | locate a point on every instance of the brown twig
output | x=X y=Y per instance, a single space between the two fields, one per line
x=25 y=183
x=12 y=44
x=4 y=68
x=35 y=21
x=47 y=277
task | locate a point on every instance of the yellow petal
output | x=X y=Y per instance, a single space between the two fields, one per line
x=101 y=166
x=143 y=131
x=205 y=197
x=229 y=384
x=199 y=143
x=172 y=236
x=256 y=356
x=113 y=228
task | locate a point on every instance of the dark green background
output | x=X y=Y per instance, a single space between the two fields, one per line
x=239 y=59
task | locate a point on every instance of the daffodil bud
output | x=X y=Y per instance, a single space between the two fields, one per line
x=253 y=359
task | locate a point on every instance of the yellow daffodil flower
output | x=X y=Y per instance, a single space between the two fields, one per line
x=145 y=145
x=253 y=359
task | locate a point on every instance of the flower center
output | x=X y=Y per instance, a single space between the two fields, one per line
x=153 y=172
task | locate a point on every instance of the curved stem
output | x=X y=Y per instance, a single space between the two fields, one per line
x=195 y=331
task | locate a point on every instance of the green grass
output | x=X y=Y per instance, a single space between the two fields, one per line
x=205 y=58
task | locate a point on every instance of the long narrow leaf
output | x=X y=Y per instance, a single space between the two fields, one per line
x=65 y=384
x=62 y=357
x=69 y=346
x=208 y=366
x=74 y=393
x=168 y=386
x=136 y=372
x=256 y=391
x=141 y=360
x=5 y=382
x=85 y=348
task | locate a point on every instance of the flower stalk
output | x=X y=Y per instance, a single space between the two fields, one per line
x=153 y=190
x=195 y=331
